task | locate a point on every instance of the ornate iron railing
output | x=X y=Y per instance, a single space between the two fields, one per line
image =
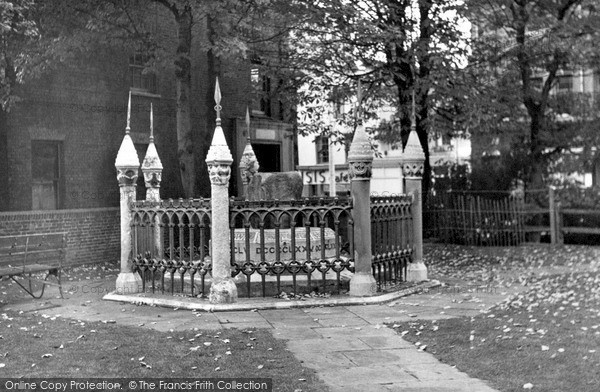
x=297 y=246
x=391 y=238
x=171 y=237
x=273 y=240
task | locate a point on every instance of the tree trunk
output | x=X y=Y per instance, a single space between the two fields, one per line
x=422 y=95
x=536 y=174
x=4 y=202
x=185 y=145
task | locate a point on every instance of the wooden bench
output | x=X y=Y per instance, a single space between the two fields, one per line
x=23 y=256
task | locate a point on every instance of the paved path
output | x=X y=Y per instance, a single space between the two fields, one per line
x=349 y=347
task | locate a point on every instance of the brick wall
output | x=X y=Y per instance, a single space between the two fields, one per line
x=93 y=234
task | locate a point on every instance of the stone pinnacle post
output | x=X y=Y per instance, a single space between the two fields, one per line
x=128 y=165
x=248 y=163
x=219 y=160
x=413 y=161
x=360 y=161
x=152 y=170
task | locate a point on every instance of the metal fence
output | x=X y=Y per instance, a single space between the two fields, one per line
x=475 y=218
x=499 y=218
x=391 y=238
x=296 y=246
x=171 y=239
x=311 y=238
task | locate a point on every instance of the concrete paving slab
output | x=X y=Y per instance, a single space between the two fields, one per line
x=372 y=357
x=277 y=313
x=330 y=361
x=434 y=371
x=294 y=322
x=333 y=310
x=440 y=386
x=385 y=342
x=318 y=346
x=366 y=376
x=240 y=317
x=298 y=333
x=369 y=330
x=359 y=388
x=338 y=321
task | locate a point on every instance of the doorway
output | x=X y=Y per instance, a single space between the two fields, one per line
x=268 y=156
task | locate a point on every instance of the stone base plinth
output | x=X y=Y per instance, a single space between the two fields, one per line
x=223 y=292
x=416 y=272
x=363 y=284
x=128 y=283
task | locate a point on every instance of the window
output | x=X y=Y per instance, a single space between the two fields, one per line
x=322 y=146
x=262 y=87
x=565 y=83
x=46 y=175
x=141 y=79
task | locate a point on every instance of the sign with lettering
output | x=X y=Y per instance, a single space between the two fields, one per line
x=321 y=176
x=303 y=248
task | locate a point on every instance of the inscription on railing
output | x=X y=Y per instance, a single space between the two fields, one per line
x=301 y=249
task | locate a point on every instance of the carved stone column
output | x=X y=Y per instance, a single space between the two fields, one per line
x=128 y=165
x=152 y=169
x=248 y=163
x=413 y=163
x=360 y=162
x=219 y=160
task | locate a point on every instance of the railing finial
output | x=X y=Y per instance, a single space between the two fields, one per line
x=413 y=116
x=151 y=124
x=247 y=124
x=128 y=127
x=218 y=106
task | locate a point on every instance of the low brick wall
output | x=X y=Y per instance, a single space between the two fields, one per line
x=93 y=234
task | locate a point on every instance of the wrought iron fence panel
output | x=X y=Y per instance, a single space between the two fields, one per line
x=171 y=237
x=275 y=239
x=391 y=238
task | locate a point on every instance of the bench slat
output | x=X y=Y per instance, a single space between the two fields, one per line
x=33 y=242
x=28 y=269
x=54 y=257
x=24 y=255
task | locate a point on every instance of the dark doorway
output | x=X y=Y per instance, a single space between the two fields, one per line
x=46 y=175
x=268 y=156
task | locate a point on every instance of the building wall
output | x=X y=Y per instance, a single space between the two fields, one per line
x=386 y=176
x=93 y=234
x=83 y=106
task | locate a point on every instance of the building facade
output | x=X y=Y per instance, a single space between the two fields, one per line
x=316 y=157
x=58 y=144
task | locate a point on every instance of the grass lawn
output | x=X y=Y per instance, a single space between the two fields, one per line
x=35 y=345
x=546 y=338
x=38 y=346
x=11 y=292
